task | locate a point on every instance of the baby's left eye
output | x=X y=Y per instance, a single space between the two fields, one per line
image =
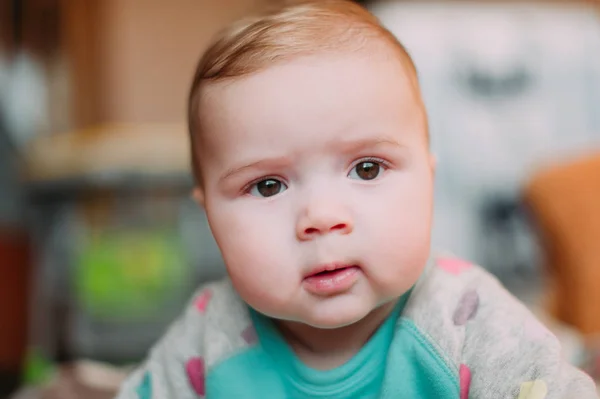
x=366 y=170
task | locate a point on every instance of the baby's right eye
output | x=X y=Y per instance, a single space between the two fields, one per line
x=267 y=188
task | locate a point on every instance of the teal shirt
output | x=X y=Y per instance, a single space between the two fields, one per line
x=395 y=363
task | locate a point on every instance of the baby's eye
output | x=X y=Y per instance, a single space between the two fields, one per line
x=366 y=170
x=267 y=188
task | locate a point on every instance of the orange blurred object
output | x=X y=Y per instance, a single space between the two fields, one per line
x=565 y=202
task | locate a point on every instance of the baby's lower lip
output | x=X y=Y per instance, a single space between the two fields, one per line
x=332 y=282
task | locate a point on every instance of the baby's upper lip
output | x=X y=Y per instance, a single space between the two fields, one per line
x=327 y=267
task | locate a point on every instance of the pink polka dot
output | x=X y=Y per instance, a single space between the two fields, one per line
x=195 y=372
x=249 y=335
x=453 y=265
x=464 y=374
x=203 y=300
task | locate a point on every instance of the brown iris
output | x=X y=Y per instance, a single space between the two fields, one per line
x=269 y=187
x=367 y=170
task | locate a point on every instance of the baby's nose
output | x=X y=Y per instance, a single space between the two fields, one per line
x=322 y=220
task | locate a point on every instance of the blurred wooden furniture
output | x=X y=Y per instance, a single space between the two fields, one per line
x=133 y=60
x=108 y=149
x=565 y=203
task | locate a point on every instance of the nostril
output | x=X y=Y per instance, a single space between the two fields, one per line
x=311 y=231
x=340 y=226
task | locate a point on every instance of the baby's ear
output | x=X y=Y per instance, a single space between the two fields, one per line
x=198 y=196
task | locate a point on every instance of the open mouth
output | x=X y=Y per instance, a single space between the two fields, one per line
x=329 y=273
x=330 y=270
x=331 y=279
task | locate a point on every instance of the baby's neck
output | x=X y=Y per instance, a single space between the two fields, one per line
x=325 y=349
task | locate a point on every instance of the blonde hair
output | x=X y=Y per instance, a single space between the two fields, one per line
x=290 y=30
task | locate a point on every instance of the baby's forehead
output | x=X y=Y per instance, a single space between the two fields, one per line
x=319 y=93
x=312 y=64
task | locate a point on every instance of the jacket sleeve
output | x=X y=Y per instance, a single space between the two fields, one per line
x=508 y=353
x=174 y=367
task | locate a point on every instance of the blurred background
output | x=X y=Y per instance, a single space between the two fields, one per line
x=101 y=246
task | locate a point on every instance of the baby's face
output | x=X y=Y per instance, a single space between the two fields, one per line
x=318 y=186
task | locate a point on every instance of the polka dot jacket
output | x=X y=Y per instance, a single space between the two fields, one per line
x=456 y=334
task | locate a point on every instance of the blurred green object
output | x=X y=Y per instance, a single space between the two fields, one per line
x=38 y=369
x=130 y=274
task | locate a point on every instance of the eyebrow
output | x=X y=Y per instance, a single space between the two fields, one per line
x=346 y=147
x=351 y=146
x=270 y=163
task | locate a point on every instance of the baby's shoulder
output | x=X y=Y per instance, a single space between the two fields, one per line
x=455 y=290
x=476 y=325
x=217 y=304
x=454 y=296
x=214 y=326
x=448 y=301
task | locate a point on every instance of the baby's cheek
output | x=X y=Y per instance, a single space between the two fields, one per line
x=259 y=273
x=402 y=238
x=399 y=258
x=267 y=297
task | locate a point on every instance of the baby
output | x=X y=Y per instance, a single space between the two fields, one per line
x=311 y=159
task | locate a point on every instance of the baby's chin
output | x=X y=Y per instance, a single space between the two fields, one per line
x=324 y=319
x=330 y=324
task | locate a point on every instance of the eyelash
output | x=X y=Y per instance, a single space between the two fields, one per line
x=386 y=165
x=246 y=189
